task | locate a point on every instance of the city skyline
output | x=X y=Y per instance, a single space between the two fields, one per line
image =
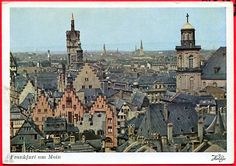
x=32 y=33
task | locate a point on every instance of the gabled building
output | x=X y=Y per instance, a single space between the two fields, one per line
x=17 y=118
x=86 y=78
x=43 y=109
x=69 y=106
x=29 y=138
x=101 y=106
x=214 y=70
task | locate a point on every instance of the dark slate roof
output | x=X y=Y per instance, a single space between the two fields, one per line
x=79 y=147
x=20 y=82
x=110 y=92
x=118 y=103
x=91 y=94
x=96 y=143
x=216 y=62
x=90 y=135
x=149 y=80
x=55 y=124
x=72 y=128
x=28 y=101
x=138 y=98
x=187 y=98
x=208 y=118
x=153 y=121
x=184 y=118
x=136 y=121
x=16 y=113
x=217 y=122
x=122 y=147
x=46 y=80
x=57 y=94
x=26 y=131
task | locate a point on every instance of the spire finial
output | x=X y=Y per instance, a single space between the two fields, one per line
x=72 y=17
x=187 y=17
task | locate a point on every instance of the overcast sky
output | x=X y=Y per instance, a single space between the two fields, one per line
x=40 y=29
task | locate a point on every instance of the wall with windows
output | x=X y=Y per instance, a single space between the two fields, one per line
x=41 y=111
x=86 y=78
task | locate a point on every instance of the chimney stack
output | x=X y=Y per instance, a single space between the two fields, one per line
x=170 y=132
x=200 y=130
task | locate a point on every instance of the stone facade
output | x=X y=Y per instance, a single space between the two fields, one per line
x=41 y=111
x=188 y=75
x=101 y=105
x=69 y=106
x=74 y=50
x=86 y=78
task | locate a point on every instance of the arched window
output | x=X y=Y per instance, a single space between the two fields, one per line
x=190 y=61
x=214 y=84
x=191 y=83
x=180 y=61
x=204 y=83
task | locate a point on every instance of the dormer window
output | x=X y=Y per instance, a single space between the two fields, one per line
x=216 y=70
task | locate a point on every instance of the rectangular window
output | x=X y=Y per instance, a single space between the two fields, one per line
x=109 y=120
x=45 y=110
x=90 y=86
x=39 y=110
x=109 y=129
x=68 y=102
x=83 y=87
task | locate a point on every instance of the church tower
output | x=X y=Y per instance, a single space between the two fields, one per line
x=74 y=50
x=141 y=53
x=188 y=75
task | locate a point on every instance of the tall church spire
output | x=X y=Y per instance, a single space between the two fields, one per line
x=141 y=53
x=72 y=23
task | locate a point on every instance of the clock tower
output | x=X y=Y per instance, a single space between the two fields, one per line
x=74 y=50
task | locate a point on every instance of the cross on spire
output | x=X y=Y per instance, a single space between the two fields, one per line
x=187 y=17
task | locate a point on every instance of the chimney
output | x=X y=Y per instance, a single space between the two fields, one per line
x=83 y=140
x=200 y=130
x=170 y=132
x=72 y=139
x=75 y=120
x=164 y=140
x=166 y=114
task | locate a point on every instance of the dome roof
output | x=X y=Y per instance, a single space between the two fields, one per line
x=187 y=25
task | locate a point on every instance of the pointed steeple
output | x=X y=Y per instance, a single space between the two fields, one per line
x=104 y=50
x=72 y=17
x=72 y=23
x=141 y=53
x=141 y=46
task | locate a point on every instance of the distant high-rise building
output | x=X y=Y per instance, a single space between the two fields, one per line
x=188 y=76
x=74 y=50
x=141 y=53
